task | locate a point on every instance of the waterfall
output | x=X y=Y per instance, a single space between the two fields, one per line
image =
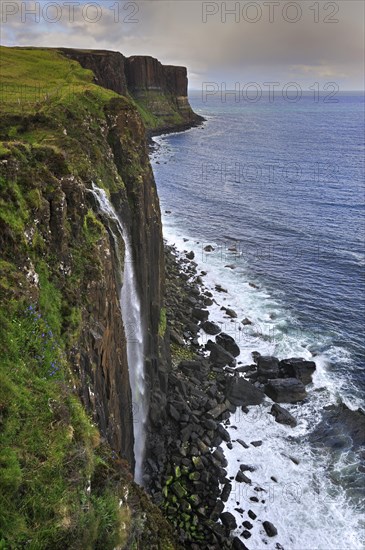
x=133 y=326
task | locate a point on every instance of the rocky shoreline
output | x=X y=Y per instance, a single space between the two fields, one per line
x=187 y=474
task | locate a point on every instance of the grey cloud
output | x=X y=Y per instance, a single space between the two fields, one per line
x=173 y=31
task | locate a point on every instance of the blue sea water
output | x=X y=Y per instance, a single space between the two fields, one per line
x=277 y=188
x=285 y=180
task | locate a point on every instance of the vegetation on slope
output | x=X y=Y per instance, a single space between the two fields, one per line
x=61 y=485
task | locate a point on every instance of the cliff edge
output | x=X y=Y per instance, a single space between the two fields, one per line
x=67 y=417
x=160 y=91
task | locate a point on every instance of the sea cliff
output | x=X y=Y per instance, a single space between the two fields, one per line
x=72 y=120
x=160 y=91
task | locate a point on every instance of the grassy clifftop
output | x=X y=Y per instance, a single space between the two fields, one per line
x=61 y=483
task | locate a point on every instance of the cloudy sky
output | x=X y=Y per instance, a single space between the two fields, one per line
x=262 y=41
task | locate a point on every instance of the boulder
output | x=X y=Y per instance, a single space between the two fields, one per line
x=218 y=410
x=268 y=367
x=270 y=529
x=286 y=390
x=223 y=433
x=209 y=248
x=246 y=467
x=240 y=392
x=246 y=321
x=228 y=343
x=298 y=368
x=219 y=288
x=179 y=490
x=230 y=312
x=237 y=544
x=176 y=338
x=228 y=520
x=242 y=478
x=210 y=328
x=219 y=356
x=226 y=491
x=282 y=416
x=200 y=314
x=190 y=255
x=251 y=515
x=219 y=455
x=217 y=510
x=194 y=368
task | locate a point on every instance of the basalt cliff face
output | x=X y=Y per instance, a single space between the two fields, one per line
x=161 y=91
x=63 y=339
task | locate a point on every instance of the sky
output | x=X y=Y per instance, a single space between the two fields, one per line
x=262 y=41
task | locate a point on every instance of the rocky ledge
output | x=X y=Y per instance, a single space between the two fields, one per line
x=187 y=475
x=160 y=91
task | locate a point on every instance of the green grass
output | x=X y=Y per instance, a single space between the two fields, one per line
x=32 y=79
x=48 y=446
x=157 y=110
x=163 y=323
x=50 y=449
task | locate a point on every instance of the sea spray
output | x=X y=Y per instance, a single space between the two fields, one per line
x=134 y=331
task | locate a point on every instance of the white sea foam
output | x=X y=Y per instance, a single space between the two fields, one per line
x=309 y=511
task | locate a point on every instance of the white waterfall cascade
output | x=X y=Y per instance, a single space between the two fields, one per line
x=134 y=331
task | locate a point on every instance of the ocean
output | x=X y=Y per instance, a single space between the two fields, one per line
x=276 y=188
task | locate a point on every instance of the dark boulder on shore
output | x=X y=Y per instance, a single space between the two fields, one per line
x=176 y=338
x=242 y=478
x=228 y=343
x=270 y=529
x=210 y=328
x=237 y=544
x=286 y=390
x=200 y=314
x=219 y=288
x=219 y=356
x=228 y=520
x=267 y=367
x=226 y=491
x=240 y=392
x=198 y=369
x=230 y=312
x=190 y=255
x=282 y=416
x=298 y=368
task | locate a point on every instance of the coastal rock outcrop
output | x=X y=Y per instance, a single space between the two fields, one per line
x=160 y=90
x=282 y=416
x=241 y=392
x=286 y=390
x=298 y=368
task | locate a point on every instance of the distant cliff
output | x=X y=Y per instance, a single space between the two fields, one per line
x=160 y=91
